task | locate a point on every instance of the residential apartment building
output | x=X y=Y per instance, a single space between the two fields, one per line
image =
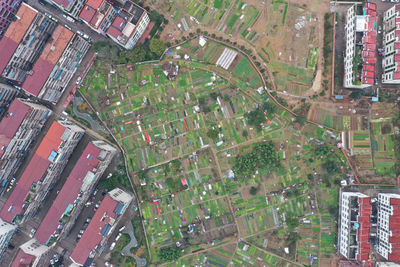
x=75 y=192
x=388 y=231
x=100 y=227
x=7 y=95
x=391 y=45
x=7 y=231
x=8 y=9
x=29 y=254
x=15 y=33
x=98 y=15
x=18 y=129
x=42 y=172
x=48 y=59
x=72 y=7
x=128 y=25
x=64 y=69
x=29 y=49
x=354 y=225
x=360 y=56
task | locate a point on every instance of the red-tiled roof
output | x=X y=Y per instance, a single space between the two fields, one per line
x=41 y=71
x=363 y=230
x=94 y=3
x=63 y=3
x=14 y=34
x=33 y=172
x=92 y=236
x=48 y=59
x=22 y=259
x=116 y=28
x=68 y=193
x=10 y=124
x=87 y=13
x=114 y=32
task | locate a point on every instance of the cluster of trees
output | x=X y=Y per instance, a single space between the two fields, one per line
x=119 y=177
x=113 y=54
x=147 y=51
x=262 y=157
x=328 y=30
x=257 y=117
x=212 y=134
x=169 y=254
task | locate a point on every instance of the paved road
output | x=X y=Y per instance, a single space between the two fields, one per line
x=75 y=26
x=94 y=125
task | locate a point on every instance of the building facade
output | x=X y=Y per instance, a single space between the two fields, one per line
x=7 y=231
x=18 y=129
x=98 y=15
x=354 y=226
x=7 y=95
x=128 y=25
x=65 y=68
x=48 y=59
x=75 y=192
x=30 y=48
x=388 y=230
x=360 y=58
x=42 y=171
x=8 y=9
x=391 y=45
x=104 y=221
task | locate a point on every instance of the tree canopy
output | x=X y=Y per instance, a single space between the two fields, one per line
x=169 y=254
x=257 y=117
x=157 y=46
x=262 y=157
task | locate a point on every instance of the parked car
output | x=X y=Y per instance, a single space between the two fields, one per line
x=112 y=245
x=118 y=237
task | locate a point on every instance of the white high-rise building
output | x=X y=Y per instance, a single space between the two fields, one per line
x=354 y=225
x=359 y=61
x=391 y=45
x=388 y=231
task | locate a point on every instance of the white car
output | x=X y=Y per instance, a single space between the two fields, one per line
x=112 y=245
x=33 y=231
x=118 y=237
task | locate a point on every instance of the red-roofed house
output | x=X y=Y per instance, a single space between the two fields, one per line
x=391 y=45
x=42 y=171
x=72 y=7
x=75 y=192
x=354 y=214
x=98 y=15
x=17 y=130
x=47 y=60
x=360 y=22
x=388 y=232
x=100 y=227
x=22 y=259
x=15 y=33
x=129 y=25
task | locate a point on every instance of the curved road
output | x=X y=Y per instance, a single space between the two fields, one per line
x=94 y=125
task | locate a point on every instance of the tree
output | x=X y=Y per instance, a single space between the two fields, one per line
x=330 y=166
x=107 y=52
x=137 y=54
x=169 y=254
x=214 y=95
x=245 y=133
x=255 y=118
x=157 y=46
x=212 y=134
x=301 y=119
x=262 y=157
x=142 y=174
x=253 y=190
x=292 y=222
